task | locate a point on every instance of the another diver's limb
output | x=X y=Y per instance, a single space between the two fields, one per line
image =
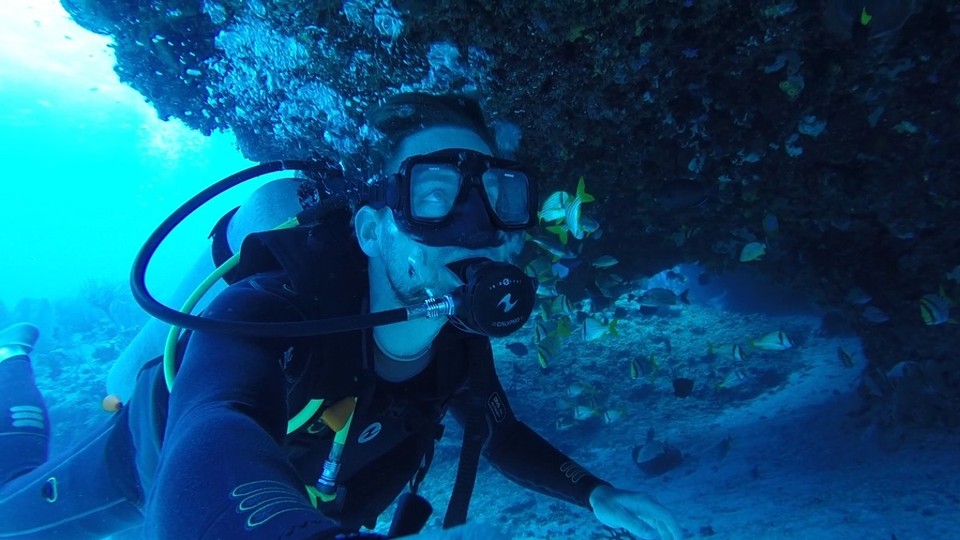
x=88 y=492
x=25 y=424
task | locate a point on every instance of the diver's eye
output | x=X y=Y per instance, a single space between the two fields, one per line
x=433 y=189
x=434 y=203
x=435 y=196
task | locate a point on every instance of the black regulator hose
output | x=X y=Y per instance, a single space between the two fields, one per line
x=262 y=329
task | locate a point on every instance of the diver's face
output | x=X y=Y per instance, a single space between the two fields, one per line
x=417 y=271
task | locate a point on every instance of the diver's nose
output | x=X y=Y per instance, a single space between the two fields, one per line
x=481 y=232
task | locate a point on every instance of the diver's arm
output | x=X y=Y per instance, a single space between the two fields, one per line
x=525 y=457
x=222 y=471
x=522 y=455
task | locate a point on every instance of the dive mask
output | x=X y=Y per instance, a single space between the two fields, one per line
x=459 y=197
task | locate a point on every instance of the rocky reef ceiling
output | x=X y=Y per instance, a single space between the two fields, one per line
x=692 y=121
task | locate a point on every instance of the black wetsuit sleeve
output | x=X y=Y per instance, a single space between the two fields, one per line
x=517 y=451
x=222 y=470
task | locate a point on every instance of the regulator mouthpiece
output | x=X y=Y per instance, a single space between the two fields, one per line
x=496 y=299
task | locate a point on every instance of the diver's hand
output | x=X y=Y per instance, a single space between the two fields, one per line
x=636 y=512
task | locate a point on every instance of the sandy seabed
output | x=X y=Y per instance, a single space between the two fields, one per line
x=782 y=455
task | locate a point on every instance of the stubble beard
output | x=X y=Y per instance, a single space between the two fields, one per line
x=404 y=285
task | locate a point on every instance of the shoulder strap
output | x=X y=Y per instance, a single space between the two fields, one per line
x=325 y=272
x=478 y=370
x=220 y=247
x=314 y=259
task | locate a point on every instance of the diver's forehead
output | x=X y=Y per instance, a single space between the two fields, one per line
x=435 y=139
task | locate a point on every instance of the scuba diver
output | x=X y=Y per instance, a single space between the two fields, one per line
x=313 y=388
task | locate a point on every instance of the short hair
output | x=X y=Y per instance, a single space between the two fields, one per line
x=402 y=115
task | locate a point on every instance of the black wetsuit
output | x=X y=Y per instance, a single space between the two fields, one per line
x=227 y=467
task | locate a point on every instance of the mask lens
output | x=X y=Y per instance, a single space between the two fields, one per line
x=433 y=190
x=507 y=192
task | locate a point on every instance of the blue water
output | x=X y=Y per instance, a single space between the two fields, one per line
x=89 y=169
